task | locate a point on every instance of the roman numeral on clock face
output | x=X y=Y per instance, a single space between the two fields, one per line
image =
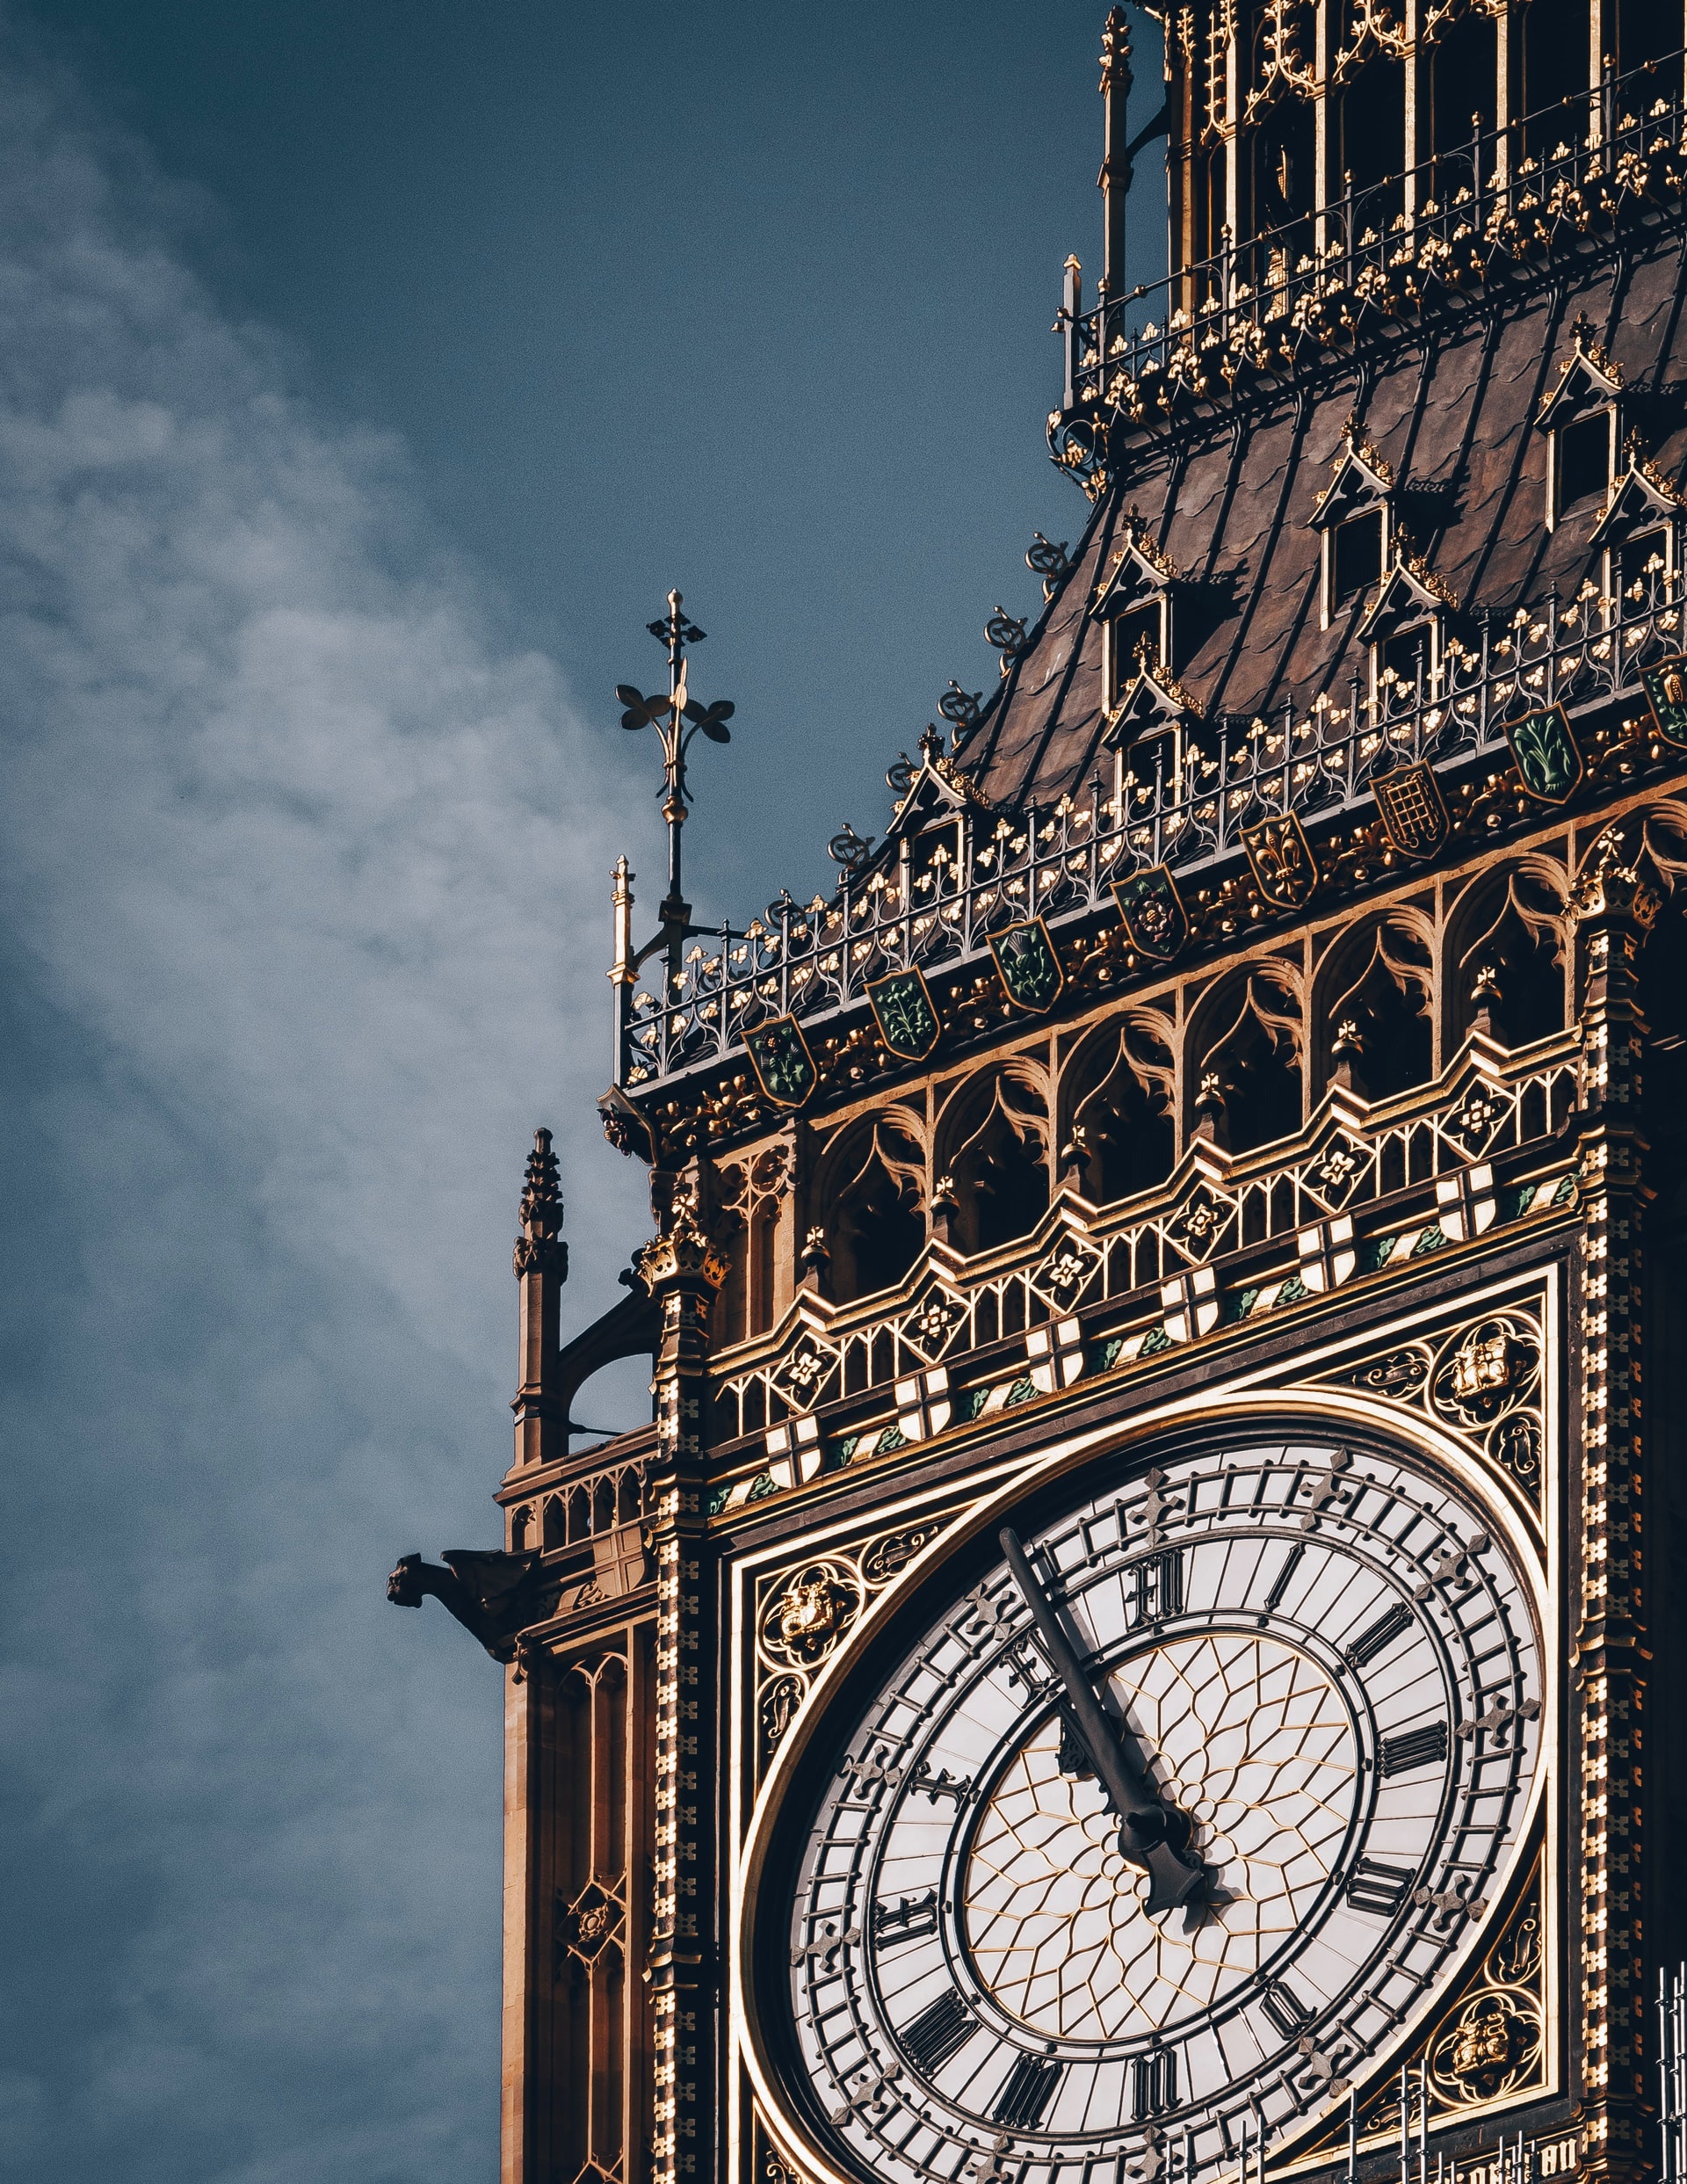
x=1413 y=1747
x=1027 y=2091
x=1383 y=1631
x=911 y=1919
x=940 y=2030
x=1153 y=2082
x=1283 y=2006
x=1158 y=1587
x=1377 y=1888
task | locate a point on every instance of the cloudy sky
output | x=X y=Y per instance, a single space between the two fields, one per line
x=367 y=373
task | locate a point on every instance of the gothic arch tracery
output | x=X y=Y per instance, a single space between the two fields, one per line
x=993 y=1167
x=1118 y=1128
x=1504 y=959
x=869 y=1200
x=1375 y=1013
x=1246 y=1042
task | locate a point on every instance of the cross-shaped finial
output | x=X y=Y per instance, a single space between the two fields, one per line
x=677 y=717
x=674 y=630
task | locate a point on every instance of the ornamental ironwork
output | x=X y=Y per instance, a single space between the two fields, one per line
x=1257 y=314
x=964 y=883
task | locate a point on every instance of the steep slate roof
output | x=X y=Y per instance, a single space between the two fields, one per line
x=1452 y=415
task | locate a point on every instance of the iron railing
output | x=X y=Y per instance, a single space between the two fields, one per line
x=1449 y=222
x=934 y=898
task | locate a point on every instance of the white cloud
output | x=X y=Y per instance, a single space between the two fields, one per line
x=306 y=870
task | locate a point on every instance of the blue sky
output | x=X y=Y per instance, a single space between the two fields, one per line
x=366 y=375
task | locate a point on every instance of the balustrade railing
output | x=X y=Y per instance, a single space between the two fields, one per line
x=1446 y=220
x=934 y=899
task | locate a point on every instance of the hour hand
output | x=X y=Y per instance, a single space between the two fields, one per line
x=1149 y=1832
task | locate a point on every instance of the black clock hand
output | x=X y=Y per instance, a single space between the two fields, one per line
x=1145 y=1823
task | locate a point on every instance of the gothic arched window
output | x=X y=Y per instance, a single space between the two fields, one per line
x=1379 y=1025
x=1120 y=1137
x=1509 y=951
x=875 y=1219
x=1248 y=1086
x=997 y=1175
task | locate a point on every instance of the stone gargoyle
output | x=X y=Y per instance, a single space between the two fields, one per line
x=493 y=1594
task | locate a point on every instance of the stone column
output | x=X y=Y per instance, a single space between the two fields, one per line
x=684 y=1271
x=542 y=1267
x=1614 y=907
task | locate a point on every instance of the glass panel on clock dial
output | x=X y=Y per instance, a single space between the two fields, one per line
x=1324 y=1670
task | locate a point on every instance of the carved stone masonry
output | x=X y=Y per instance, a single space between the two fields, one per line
x=541 y=1265
x=682 y=1272
x=1614 y=907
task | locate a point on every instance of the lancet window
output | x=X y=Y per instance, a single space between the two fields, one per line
x=1378 y=1034
x=993 y=1186
x=1555 y=67
x=874 y=1188
x=1461 y=82
x=1248 y=1078
x=1120 y=1135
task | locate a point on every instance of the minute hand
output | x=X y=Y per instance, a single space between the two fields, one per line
x=1144 y=1820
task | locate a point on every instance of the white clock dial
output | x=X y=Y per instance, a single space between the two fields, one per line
x=1324 y=1677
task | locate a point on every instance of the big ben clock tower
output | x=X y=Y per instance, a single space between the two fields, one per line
x=1144 y=1642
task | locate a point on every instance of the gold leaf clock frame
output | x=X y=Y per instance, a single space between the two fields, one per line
x=1476 y=1378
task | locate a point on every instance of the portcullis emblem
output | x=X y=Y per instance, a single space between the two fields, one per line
x=1414 y=811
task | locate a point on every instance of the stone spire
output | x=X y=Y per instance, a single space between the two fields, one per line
x=541 y=1263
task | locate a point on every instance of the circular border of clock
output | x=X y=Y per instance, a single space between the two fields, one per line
x=1166 y=1795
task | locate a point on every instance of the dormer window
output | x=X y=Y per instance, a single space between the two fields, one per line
x=1355 y=517
x=1582 y=420
x=1583 y=453
x=1356 y=555
x=1148 y=731
x=1134 y=603
x=1637 y=536
x=1408 y=656
x=1406 y=631
x=1139 y=638
x=1638 y=564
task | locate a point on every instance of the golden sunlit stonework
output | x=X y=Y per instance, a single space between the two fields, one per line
x=1141 y=1644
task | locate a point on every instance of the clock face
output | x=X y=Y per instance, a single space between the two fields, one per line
x=1321 y=1676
